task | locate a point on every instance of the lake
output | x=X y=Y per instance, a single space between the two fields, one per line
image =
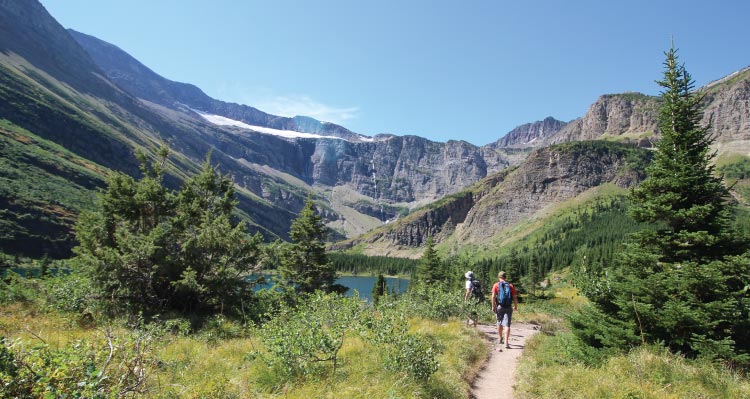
x=363 y=285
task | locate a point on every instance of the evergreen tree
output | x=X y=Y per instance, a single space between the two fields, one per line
x=124 y=243
x=148 y=249
x=680 y=284
x=216 y=256
x=513 y=271
x=430 y=268
x=379 y=289
x=304 y=265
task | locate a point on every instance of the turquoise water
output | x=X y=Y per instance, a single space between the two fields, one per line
x=362 y=284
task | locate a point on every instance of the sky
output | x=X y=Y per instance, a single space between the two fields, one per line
x=446 y=70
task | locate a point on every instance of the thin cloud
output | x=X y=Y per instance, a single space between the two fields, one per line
x=304 y=105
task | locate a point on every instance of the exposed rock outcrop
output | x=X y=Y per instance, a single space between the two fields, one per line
x=549 y=176
x=530 y=134
x=612 y=115
x=728 y=107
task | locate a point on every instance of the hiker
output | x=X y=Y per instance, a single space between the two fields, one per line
x=504 y=302
x=473 y=289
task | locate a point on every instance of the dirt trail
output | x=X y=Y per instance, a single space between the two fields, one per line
x=497 y=378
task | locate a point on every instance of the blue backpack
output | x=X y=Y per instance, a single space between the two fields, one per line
x=504 y=297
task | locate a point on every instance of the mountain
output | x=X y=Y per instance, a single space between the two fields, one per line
x=633 y=116
x=490 y=209
x=142 y=82
x=103 y=106
x=565 y=163
x=528 y=134
x=74 y=108
x=58 y=104
x=387 y=173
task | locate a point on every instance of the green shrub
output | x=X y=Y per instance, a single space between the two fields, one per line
x=69 y=293
x=305 y=341
x=111 y=368
x=300 y=341
x=411 y=353
x=432 y=302
x=15 y=288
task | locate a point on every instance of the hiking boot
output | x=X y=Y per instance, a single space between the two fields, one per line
x=507 y=346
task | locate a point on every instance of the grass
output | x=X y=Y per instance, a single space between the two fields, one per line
x=557 y=365
x=204 y=365
x=554 y=370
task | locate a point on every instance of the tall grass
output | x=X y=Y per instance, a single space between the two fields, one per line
x=559 y=366
x=211 y=364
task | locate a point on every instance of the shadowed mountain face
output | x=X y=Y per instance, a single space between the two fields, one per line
x=142 y=82
x=71 y=96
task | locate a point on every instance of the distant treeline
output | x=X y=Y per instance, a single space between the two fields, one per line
x=587 y=237
x=359 y=264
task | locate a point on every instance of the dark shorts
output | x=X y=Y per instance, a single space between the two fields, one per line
x=504 y=314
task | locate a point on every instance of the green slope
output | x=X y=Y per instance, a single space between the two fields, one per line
x=43 y=187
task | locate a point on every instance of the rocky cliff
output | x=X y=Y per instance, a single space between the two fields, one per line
x=548 y=177
x=529 y=134
x=728 y=107
x=630 y=116
x=634 y=117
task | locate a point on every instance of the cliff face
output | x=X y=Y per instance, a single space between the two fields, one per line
x=634 y=117
x=549 y=176
x=530 y=134
x=728 y=107
x=613 y=115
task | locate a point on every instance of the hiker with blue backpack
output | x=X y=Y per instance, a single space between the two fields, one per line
x=504 y=302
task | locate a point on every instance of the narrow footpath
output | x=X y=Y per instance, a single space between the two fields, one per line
x=497 y=378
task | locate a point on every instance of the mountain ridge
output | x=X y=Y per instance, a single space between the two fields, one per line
x=105 y=113
x=144 y=83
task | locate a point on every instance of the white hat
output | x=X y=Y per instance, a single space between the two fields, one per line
x=469 y=274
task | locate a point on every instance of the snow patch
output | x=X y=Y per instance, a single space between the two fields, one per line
x=224 y=121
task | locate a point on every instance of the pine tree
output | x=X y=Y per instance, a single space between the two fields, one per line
x=148 y=249
x=379 y=289
x=680 y=284
x=430 y=268
x=681 y=192
x=216 y=255
x=304 y=265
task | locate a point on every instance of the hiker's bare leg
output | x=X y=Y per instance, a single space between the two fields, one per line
x=507 y=336
x=500 y=333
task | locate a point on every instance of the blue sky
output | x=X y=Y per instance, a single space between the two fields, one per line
x=463 y=70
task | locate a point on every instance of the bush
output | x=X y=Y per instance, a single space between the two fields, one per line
x=432 y=302
x=111 y=368
x=69 y=293
x=299 y=341
x=304 y=341
x=15 y=288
